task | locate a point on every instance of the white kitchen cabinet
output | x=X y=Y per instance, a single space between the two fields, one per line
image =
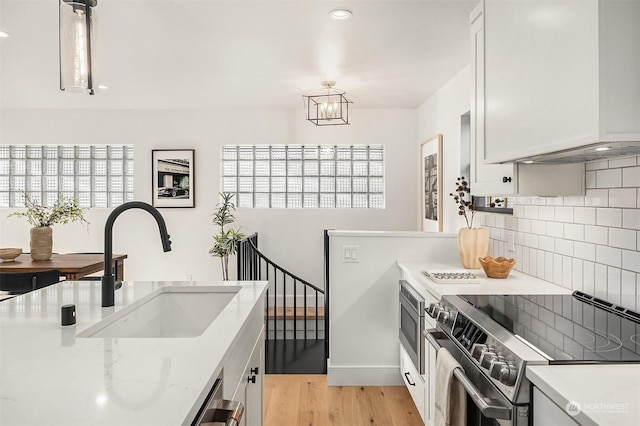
x=546 y=412
x=512 y=178
x=558 y=75
x=413 y=380
x=249 y=390
x=429 y=384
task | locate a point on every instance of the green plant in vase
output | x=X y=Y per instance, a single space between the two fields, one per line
x=226 y=240
x=42 y=218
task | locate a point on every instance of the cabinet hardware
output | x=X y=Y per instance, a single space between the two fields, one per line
x=254 y=370
x=408 y=377
x=506 y=179
x=251 y=379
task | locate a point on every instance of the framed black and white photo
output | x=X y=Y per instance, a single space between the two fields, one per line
x=431 y=184
x=173 y=178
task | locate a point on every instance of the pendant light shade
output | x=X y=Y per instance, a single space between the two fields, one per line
x=78 y=63
x=329 y=107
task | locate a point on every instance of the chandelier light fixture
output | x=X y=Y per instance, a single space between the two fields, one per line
x=328 y=107
x=77 y=40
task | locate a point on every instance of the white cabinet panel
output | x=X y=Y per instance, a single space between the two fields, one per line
x=546 y=413
x=413 y=381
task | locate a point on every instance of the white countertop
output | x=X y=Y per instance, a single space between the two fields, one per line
x=515 y=283
x=50 y=377
x=607 y=394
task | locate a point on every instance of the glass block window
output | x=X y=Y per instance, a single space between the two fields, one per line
x=97 y=176
x=304 y=176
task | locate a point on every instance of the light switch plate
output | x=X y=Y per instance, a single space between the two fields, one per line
x=350 y=254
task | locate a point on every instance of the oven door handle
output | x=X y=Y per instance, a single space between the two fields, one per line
x=488 y=410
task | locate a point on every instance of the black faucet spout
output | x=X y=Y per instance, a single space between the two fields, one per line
x=108 y=279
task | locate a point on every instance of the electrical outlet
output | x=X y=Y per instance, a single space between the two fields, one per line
x=350 y=254
x=511 y=241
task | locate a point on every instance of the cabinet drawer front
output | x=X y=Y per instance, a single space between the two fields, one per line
x=413 y=381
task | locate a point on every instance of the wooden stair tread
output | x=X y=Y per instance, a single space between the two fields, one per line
x=280 y=313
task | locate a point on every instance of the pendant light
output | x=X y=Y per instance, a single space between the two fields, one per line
x=329 y=107
x=77 y=40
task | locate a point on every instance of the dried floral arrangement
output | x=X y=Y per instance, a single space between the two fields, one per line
x=467 y=208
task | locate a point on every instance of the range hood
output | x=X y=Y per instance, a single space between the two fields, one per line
x=596 y=151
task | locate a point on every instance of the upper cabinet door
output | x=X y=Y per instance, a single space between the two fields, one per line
x=560 y=74
x=486 y=179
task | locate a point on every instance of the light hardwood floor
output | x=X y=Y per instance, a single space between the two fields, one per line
x=306 y=400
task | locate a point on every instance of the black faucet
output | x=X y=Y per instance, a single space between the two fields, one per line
x=108 y=279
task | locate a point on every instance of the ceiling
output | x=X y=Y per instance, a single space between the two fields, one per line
x=194 y=54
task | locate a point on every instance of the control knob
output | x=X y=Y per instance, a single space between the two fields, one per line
x=443 y=316
x=488 y=357
x=508 y=374
x=434 y=309
x=477 y=349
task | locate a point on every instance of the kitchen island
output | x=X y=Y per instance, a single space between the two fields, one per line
x=50 y=375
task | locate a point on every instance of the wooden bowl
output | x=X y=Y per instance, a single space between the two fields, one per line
x=9 y=254
x=496 y=268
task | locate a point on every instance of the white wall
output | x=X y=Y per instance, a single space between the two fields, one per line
x=363 y=297
x=441 y=113
x=292 y=237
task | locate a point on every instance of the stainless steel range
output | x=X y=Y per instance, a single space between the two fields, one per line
x=494 y=338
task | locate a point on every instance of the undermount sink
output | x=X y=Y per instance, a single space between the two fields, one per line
x=166 y=312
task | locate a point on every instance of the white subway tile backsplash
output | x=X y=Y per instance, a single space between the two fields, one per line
x=590 y=179
x=585 y=215
x=546 y=213
x=600 y=281
x=586 y=251
x=548 y=266
x=597 y=165
x=489 y=220
x=622 y=162
x=574 y=231
x=628 y=290
x=596 y=197
x=588 y=277
x=564 y=214
x=609 y=178
x=609 y=217
x=557 y=269
x=622 y=238
x=524 y=225
x=567 y=270
x=631 y=218
x=589 y=243
x=622 y=197
x=631 y=177
x=596 y=234
x=546 y=243
x=538 y=227
x=531 y=212
x=555 y=229
x=564 y=247
x=576 y=274
x=613 y=285
x=631 y=260
x=609 y=256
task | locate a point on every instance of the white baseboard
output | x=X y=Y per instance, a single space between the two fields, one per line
x=363 y=375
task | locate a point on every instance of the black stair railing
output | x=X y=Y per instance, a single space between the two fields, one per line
x=254 y=265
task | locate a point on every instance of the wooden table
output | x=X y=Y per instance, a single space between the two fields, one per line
x=72 y=266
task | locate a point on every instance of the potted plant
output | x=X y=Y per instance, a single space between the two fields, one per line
x=473 y=243
x=226 y=240
x=42 y=218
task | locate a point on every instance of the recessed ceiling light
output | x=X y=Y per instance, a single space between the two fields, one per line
x=340 y=14
x=528 y=162
x=102 y=87
x=4 y=34
x=603 y=148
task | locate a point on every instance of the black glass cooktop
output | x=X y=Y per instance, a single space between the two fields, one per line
x=575 y=328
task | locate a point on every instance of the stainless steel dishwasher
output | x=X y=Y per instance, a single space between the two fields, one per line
x=217 y=411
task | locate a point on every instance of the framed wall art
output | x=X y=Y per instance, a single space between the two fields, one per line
x=431 y=184
x=173 y=174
